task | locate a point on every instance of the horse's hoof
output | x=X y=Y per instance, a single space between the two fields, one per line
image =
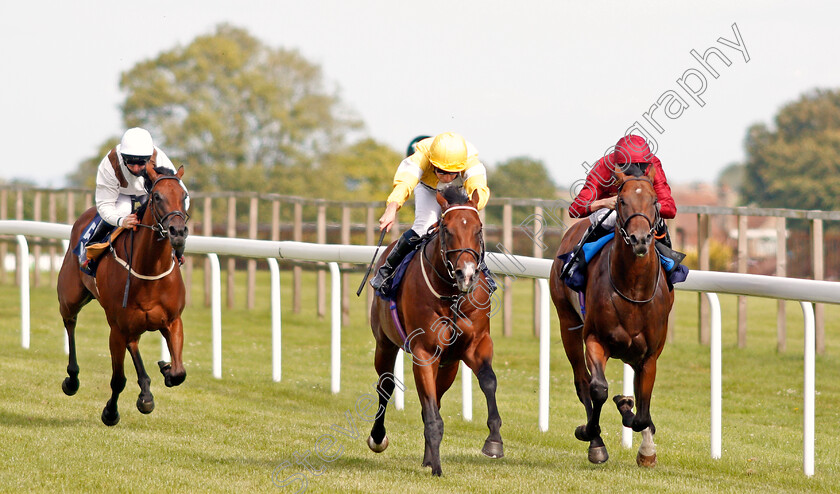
x=377 y=448
x=145 y=407
x=493 y=449
x=110 y=420
x=164 y=366
x=598 y=455
x=646 y=461
x=436 y=470
x=624 y=402
x=70 y=386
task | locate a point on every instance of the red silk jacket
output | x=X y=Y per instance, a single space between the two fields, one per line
x=600 y=183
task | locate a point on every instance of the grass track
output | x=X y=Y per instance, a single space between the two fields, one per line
x=229 y=435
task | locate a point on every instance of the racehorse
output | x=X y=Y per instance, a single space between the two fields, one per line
x=144 y=293
x=445 y=301
x=627 y=303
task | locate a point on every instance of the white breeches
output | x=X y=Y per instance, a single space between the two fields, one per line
x=426 y=209
x=608 y=223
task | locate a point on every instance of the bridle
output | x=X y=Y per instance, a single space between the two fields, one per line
x=444 y=253
x=626 y=238
x=159 y=227
x=623 y=223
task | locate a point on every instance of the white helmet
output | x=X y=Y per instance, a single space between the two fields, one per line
x=137 y=142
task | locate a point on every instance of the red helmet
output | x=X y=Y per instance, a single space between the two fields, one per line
x=631 y=149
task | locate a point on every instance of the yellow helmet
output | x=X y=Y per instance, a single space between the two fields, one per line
x=449 y=152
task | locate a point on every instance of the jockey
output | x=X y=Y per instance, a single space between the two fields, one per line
x=597 y=198
x=432 y=162
x=121 y=185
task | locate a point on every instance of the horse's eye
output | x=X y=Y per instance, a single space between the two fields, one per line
x=157 y=197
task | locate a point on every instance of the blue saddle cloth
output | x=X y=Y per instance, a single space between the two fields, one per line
x=577 y=280
x=388 y=291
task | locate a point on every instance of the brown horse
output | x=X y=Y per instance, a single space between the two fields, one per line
x=155 y=297
x=445 y=302
x=627 y=305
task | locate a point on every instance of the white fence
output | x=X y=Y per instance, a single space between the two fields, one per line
x=709 y=283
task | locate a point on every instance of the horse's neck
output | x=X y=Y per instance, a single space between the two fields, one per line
x=636 y=275
x=146 y=251
x=433 y=254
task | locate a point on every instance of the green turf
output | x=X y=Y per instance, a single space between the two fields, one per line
x=229 y=435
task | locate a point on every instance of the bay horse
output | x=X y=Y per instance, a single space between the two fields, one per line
x=445 y=302
x=627 y=303
x=155 y=297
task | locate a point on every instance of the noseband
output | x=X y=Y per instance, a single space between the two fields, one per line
x=623 y=224
x=159 y=227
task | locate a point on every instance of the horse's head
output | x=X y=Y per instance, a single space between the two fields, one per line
x=168 y=205
x=636 y=207
x=461 y=239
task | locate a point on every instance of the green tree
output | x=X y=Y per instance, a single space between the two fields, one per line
x=363 y=171
x=796 y=164
x=239 y=114
x=521 y=177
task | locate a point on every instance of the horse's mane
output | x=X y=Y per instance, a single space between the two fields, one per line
x=454 y=195
x=160 y=170
x=635 y=169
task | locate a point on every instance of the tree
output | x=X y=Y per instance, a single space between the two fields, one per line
x=521 y=177
x=362 y=171
x=239 y=114
x=796 y=164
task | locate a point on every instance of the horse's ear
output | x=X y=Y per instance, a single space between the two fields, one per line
x=180 y=172
x=150 y=171
x=441 y=201
x=474 y=199
x=651 y=172
x=620 y=176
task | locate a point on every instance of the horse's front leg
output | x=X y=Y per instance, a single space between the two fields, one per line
x=424 y=378
x=174 y=373
x=386 y=356
x=70 y=384
x=645 y=375
x=480 y=362
x=596 y=361
x=117 y=343
x=145 y=401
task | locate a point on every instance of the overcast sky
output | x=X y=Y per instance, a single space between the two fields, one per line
x=556 y=81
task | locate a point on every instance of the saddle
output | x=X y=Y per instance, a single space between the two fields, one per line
x=94 y=251
x=669 y=258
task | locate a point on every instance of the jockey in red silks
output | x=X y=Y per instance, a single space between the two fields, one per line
x=597 y=197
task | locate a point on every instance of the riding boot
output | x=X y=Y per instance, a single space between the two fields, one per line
x=405 y=244
x=102 y=229
x=577 y=263
x=662 y=235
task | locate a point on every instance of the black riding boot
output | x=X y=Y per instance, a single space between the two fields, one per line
x=578 y=261
x=405 y=244
x=102 y=229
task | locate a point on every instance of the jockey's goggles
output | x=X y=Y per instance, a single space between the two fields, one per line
x=131 y=160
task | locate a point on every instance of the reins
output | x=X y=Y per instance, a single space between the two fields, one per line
x=626 y=237
x=160 y=229
x=444 y=254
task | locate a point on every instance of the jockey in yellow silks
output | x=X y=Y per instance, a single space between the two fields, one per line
x=433 y=161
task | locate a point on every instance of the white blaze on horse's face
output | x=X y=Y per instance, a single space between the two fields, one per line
x=465 y=281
